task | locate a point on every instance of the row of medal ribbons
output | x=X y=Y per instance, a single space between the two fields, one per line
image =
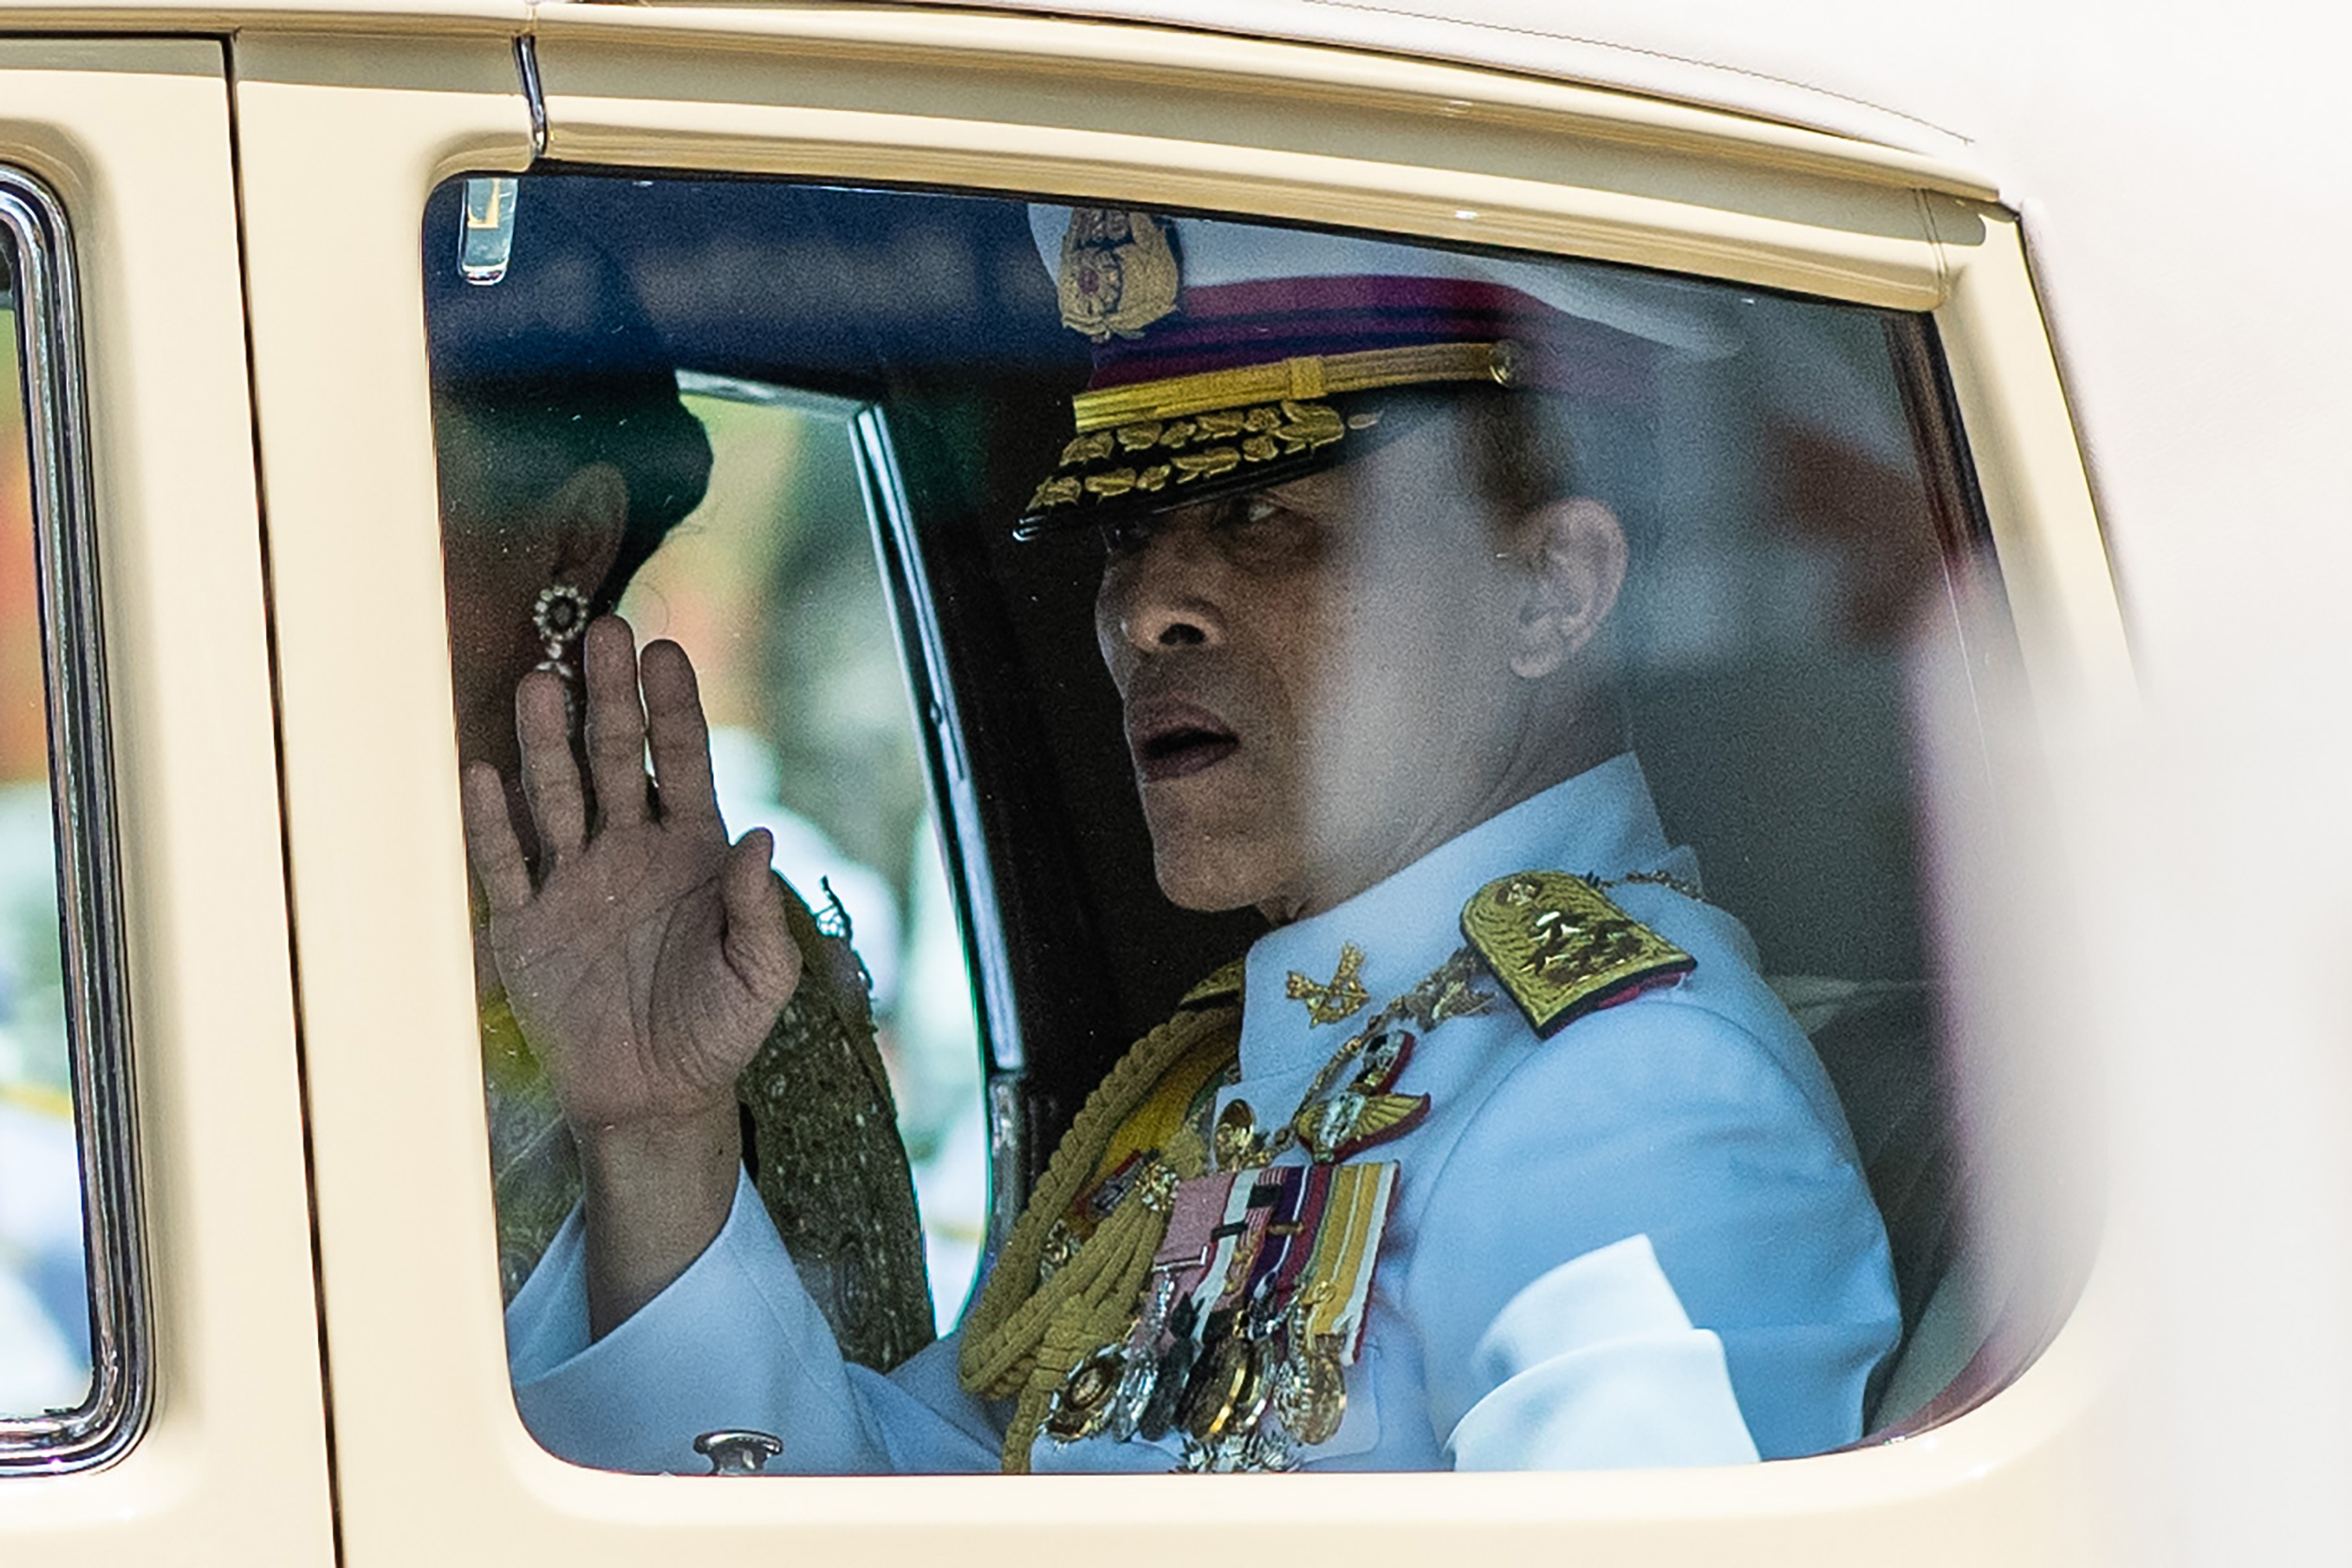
x=1252 y=1315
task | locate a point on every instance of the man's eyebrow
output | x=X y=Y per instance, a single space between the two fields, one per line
x=1284 y=494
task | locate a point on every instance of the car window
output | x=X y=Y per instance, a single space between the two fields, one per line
x=71 y=1363
x=1482 y=647
x=44 y=1303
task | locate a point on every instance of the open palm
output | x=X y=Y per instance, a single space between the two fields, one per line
x=649 y=958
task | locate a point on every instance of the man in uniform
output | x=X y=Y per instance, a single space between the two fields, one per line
x=1496 y=1151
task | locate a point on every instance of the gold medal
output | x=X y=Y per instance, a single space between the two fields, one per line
x=1079 y=1404
x=1230 y=1388
x=1311 y=1396
x=1250 y=1410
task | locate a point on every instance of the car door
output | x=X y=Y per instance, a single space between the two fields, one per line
x=341 y=151
x=137 y=602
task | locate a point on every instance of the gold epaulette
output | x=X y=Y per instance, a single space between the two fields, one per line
x=1561 y=948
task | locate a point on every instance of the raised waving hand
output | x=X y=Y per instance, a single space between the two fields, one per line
x=645 y=960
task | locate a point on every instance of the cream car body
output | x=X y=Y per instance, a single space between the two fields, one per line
x=2126 y=224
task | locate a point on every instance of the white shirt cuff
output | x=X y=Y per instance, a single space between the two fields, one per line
x=732 y=1342
x=1595 y=1366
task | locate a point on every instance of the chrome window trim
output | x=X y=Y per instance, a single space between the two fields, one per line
x=110 y=1420
x=964 y=840
x=936 y=699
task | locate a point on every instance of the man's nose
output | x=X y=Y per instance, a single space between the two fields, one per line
x=1165 y=595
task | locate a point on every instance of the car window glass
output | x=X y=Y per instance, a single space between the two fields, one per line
x=767 y=576
x=1493 y=648
x=44 y=1304
x=771 y=586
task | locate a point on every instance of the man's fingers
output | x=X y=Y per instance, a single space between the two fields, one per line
x=681 y=739
x=617 y=723
x=496 y=854
x=550 y=778
x=759 y=947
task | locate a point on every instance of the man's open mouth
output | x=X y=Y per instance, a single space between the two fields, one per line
x=1177 y=739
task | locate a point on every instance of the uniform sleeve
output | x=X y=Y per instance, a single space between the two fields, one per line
x=734 y=1342
x=1679 y=1263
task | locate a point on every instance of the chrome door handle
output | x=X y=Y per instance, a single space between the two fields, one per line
x=738 y=1454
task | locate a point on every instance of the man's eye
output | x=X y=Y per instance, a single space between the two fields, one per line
x=1250 y=514
x=1125 y=538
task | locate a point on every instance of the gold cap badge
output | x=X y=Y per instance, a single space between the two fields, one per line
x=1117 y=273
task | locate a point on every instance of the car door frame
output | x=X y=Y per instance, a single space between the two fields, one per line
x=967 y=101
x=227 y=1451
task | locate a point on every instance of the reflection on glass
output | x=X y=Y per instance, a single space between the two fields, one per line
x=585 y=472
x=1505 y=655
x=771 y=586
x=44 y=1306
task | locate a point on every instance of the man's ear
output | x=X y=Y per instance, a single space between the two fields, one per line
x=1575 y=555
x=583 y=521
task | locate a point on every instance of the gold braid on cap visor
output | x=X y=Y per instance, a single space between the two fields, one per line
x=1182 y=429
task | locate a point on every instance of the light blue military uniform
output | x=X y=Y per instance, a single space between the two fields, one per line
x=1645 y=1241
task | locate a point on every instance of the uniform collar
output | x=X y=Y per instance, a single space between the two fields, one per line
x=1601 y=822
